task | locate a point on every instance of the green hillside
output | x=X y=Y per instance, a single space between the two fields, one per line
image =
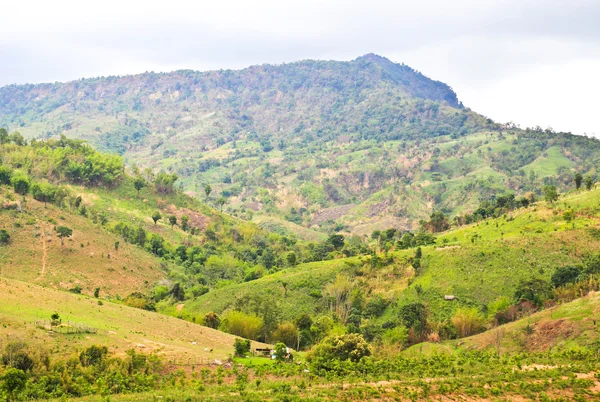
x=377 y=238
x=327 y=146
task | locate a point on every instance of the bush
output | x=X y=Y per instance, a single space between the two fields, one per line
x=20 y=184
x=241 y=324
x=565 y=275
x=467 y=321
x=286 y=333
x=534 y=290
x=211 y=320
x=241 y=346
x=397 y=336
x=338 y=348
x=93 y=355
x=4 y=236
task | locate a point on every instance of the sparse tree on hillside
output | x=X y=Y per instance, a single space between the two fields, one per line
x=139 y=183
x=4 y=236
x=156 y=216
x=336 y=240
x=185 y=221
x=220 y=202
x=3 y=137
x=211 y=320
x=13 y=381
x=207 y=190
x=20 y=184
x=550 y=193
x=62 y=232
x=173 y=220
x=578 y=180
x=589 y=183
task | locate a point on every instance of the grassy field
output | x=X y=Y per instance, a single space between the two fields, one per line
x=477 y=263
x=570 y=325
x=119 y=327
x=88 y=258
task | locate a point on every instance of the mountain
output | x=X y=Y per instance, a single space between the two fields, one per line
x=353 y=145
x=274 y=204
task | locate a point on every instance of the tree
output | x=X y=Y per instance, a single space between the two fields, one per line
x=589 y=183
x=550 y=193
x=13 y=382
x=139 y=183
x=569 y=215
x=156 y=216
x=328 y=354
x=62 y=232
x=291 y=259
x=220 y=202
x=17 y=138
x=211 y=320
x=207 y=190
x=93 y=355
x=438 y=222
x=281 y=352
x=241 y=347
x=4 y=236
x=97 y=293
x=185 y=222
x=578 y=180
x=241 y=324
x=565 y=275
x=286 y=332
x=414 y=316
x=3 y=137
x=336 y=240
x=173 y=220
x=534 y=290
x=5 y=174
x=20 y=184
x=467 y=321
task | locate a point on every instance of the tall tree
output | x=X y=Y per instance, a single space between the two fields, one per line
x=139 y=183
x=156 y=216
x=589 y=183
x=578 y=180
x=550 y=193
x=62 y=232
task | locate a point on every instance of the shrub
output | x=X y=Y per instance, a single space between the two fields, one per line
x=20 y=184
x=4 y=236
x=467 y=321
x=397 y=336
x=211 y=320
x=565 y=275
x=242 y=324
x=534 y=290
x=339 y=348
x=241 y=346
x=286 y=333
x=93 y=355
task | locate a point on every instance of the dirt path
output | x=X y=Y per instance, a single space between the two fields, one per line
x=44 y=249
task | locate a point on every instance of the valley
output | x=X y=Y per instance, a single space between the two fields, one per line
x=306 y=231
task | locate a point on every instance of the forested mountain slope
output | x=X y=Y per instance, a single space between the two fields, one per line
x=352 y=146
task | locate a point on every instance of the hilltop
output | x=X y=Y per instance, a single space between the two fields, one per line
x=307 y=147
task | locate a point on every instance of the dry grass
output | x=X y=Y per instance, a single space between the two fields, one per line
x=88 y=259
x=119 y=327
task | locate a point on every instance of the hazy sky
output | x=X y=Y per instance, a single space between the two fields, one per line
x=531 y=62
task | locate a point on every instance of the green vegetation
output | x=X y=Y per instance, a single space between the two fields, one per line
x=328 y=146
x=402 y=246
